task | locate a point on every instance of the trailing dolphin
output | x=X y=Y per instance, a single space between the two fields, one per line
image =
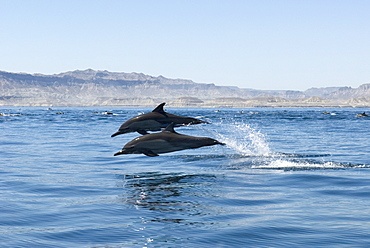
x=166 y=141
x=154 y=121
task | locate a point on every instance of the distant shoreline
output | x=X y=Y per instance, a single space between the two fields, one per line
x=91 y=88
x=171 y=106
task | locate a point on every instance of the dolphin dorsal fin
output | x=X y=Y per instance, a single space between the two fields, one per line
x=159 y=108
x=169 y=128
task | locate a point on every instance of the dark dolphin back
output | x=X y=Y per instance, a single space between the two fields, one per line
x=160 y=119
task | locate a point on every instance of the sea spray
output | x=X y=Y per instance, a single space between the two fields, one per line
x=242 y=138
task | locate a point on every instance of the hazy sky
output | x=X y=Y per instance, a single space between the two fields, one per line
x=261 y=44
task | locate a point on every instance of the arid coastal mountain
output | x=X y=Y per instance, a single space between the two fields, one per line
x=104 y=88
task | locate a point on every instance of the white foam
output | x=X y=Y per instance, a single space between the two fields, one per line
x=286 y=164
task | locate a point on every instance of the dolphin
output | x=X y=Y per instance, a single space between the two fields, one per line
x=154 y=121
x=362 y=115
x=166 y=141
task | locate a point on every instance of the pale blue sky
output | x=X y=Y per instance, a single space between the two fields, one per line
x=261 y=44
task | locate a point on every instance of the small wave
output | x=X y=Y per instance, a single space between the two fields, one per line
x=3 y=114
x=305 y=165
x=273 y=161
x=291 y=155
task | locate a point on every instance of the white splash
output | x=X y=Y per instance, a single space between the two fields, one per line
x=246 y=140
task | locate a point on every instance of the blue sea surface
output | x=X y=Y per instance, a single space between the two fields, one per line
x=287 y=178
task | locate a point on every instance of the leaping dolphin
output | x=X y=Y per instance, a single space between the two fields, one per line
x=154 y=121
x=166 y=141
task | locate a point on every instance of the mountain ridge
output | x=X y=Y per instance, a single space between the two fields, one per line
x=103 y=88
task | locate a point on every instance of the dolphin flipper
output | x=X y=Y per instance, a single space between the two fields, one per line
x=149 y=153
x=142 y=132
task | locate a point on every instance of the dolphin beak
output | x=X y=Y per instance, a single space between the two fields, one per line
x=118 y=153
x=121 y=131
x=116 y=133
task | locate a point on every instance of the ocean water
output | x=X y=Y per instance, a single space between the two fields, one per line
x=287 y=178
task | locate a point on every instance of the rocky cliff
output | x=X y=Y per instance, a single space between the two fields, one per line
x=104 y=88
